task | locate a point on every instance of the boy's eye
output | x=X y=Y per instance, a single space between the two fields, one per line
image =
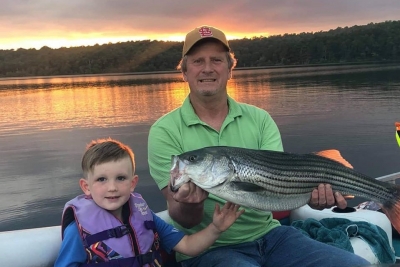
x=121 y=178
x=100 y=179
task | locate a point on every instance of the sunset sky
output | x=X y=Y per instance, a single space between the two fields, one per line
x=55 y=23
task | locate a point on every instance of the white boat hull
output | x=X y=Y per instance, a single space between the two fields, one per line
x=39 y=247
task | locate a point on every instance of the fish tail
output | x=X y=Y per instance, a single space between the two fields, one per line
x=392 y=209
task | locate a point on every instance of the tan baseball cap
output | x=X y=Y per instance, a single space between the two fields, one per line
x=200 y=33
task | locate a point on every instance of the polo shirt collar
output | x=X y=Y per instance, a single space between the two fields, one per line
x=191 y=118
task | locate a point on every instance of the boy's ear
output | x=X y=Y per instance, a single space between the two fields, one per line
x=135 y=180
x=83 y=183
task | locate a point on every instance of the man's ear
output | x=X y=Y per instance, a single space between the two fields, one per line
x=135 y=180
x=83 y=183
x=184 y=76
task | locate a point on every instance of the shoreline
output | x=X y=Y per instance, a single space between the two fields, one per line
x=177 y=71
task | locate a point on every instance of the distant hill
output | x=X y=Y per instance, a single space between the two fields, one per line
x=372 y=42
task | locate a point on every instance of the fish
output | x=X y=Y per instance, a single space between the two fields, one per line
x=274 y=181
x=397 y=124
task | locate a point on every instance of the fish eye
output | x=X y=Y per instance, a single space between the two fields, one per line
x=192 y=158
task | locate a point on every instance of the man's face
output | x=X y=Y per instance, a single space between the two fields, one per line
x=207 y=69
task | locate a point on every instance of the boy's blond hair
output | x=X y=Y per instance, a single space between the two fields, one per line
x=105 y=150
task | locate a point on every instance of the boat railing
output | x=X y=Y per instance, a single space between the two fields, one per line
x=391 y=178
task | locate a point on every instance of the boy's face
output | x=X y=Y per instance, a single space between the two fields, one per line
x=110 y=185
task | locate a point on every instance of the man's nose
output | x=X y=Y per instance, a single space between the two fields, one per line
x=208 y=67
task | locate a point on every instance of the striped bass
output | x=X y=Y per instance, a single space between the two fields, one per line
x=274 y=181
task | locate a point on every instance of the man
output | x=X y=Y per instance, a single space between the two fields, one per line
x=209 y=117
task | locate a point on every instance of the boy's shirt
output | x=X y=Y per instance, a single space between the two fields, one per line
x=72 y=252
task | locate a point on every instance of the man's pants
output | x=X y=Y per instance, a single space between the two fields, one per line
x=283 y=246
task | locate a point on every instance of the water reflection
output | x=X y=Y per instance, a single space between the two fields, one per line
x=106 y=101
x=46 y=123
x=86 y=105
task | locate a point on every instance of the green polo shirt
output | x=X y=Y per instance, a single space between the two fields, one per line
x=181 y=130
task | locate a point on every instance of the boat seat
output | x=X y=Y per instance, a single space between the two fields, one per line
x=360 y=247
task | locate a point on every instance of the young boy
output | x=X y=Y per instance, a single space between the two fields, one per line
x=112 y=226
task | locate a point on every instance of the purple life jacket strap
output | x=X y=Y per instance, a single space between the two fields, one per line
x=150 y=225
x=137 y=261
x=116 y=232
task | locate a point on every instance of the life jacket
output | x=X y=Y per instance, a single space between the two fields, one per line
x=108 y=242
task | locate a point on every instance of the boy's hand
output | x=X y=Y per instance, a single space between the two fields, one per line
x=225 y=217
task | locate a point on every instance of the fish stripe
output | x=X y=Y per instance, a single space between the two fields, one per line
x=275 y=173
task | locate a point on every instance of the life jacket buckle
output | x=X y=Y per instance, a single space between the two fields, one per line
x=146 y=258
x=118 y=231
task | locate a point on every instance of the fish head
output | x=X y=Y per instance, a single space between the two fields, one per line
x=203 y=167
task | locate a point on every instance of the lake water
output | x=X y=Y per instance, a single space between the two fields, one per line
x=45 y=124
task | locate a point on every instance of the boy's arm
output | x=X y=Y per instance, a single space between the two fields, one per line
x=194 y=244
x=72 y=252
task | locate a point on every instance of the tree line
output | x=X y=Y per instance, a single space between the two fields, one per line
x=373 y=42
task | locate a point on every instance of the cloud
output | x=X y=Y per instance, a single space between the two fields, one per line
x=105 y=18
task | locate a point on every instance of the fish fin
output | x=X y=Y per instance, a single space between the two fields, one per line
x=335 y=155
x=392 y=209
x=249 y=187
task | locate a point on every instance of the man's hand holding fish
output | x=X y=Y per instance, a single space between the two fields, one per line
x=323 y=197
x=190 y=193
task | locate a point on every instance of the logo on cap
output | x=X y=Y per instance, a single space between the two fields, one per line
x=205 y=32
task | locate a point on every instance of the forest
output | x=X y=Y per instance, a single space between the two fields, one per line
x=374 y=42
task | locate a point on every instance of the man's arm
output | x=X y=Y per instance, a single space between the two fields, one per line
x=186 y=206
